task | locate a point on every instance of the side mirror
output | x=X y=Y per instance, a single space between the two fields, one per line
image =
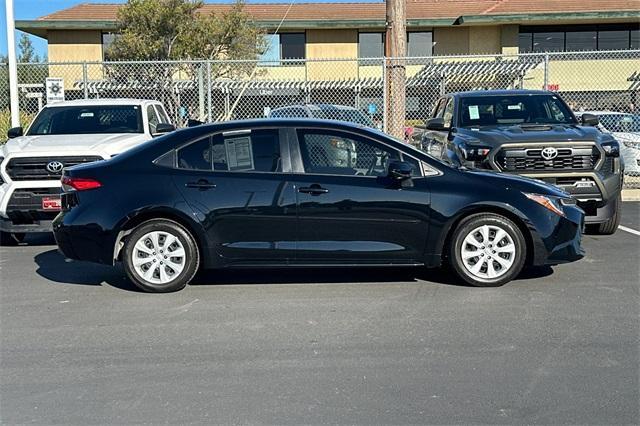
x=14 y=132
x=193 y=123
x=590 y=120
x=400 y=171
x=436 y=124
x=164 y=128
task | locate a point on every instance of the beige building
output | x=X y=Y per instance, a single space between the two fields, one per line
x=353 y=32
x=350 y=30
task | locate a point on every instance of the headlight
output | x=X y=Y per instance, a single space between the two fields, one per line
x=551 y=203
x=611 y=149
x=474 y=153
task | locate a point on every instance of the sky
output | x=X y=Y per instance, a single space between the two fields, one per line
x=31 y=9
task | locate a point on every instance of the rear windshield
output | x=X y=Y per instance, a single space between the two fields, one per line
x=517 y=109
x=74 y=120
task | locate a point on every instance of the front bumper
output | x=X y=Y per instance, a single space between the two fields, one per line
x=559 y=239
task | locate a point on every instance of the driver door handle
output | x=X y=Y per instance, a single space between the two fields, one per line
x=314 y=189
x=201 y=184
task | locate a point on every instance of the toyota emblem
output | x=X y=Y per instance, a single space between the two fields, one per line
x=549 y=153
x=54 y=166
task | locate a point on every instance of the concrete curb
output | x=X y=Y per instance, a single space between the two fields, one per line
x=631 y=195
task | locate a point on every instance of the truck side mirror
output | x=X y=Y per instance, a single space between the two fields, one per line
x=14 y=132
x=436 y=124
x=590 y=120
x=164 y=128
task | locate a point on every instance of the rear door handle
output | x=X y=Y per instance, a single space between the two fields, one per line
x=314 y=189
x=201 y=184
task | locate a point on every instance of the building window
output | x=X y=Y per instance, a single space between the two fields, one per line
x=581 y=40
x=107 y=41
x=548 y=42
x=419 y=44
x=572 y=38
x=370 y=45
x=283 y=46
x=613 y=40
x=292 y=46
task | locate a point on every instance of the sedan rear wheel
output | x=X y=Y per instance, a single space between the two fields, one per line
x=161 y=256
x=488 y=250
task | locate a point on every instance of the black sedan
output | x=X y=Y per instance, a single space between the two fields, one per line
x=306 y=193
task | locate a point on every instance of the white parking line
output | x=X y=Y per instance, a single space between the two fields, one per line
x=629 y=230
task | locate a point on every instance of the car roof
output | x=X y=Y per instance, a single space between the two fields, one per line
x=323 y=107
x=94 y=102
x=479 y=93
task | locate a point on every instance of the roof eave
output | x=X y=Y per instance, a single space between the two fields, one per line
x=630 y=15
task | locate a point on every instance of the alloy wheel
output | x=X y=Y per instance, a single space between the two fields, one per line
x=488 y=252
x=158 y=257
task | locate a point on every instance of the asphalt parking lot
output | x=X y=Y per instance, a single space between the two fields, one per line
x=79 y=345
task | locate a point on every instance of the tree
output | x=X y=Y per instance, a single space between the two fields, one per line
x=26 y=52
x=160 y=30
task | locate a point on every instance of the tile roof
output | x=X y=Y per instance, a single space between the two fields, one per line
x=416 y=9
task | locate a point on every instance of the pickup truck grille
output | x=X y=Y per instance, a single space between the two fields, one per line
x=35 y=168
x=526 y=159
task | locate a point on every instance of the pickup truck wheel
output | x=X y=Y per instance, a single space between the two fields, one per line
x=160 y=256
x=9 y=239
x=487 y=250
x=611 y=225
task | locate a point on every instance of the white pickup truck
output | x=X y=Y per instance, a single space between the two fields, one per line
x=62 y=135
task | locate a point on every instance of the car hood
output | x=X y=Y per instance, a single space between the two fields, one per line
x=517 y=182
x=57 y=144
x=498 y=135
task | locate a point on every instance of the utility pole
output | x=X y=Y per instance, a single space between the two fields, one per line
x=13 y=71
x=395 y=52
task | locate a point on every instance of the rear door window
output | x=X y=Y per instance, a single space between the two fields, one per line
x=254 y=151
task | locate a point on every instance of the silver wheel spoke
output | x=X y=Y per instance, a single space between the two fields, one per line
x=503 y=262
x=142 y=247
x=472 y=241
x=168 y=241
x=500 y=234
x=485 y=234
x=173 y=257
x=509 y=248
x=491 y=272
x=470 y=254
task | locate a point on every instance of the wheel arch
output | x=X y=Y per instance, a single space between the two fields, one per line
x=132 y=221
x=507 y=211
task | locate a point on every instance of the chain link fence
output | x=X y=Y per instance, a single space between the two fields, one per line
x=603 y=82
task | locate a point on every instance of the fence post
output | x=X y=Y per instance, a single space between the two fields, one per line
x=546 y=71
x=85 y=80
x=384 y=94
x=209 y=91
x=201 y=114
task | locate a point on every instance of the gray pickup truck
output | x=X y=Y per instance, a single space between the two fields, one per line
x=532 y=133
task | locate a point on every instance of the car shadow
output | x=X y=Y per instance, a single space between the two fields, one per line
x=54 y=267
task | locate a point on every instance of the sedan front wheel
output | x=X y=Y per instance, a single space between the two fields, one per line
x=487 y=250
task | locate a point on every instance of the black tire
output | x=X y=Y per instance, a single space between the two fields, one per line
x=493 y=222
x=184 y=240
x=9 y=239
x=611 y=225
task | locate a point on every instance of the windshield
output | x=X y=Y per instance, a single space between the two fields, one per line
x=479 y=111
x=622 y=123
x=75 y=120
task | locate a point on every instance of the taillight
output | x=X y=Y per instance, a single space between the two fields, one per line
x=79 y=184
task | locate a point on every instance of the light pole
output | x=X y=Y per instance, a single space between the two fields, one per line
x=13 y=70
